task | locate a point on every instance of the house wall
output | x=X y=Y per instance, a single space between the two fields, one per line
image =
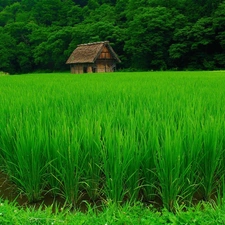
x=105 y=54
x=89 y=69
x=105 y=65
x=105 y=61
x=101 y=66
x=81 y=68
x=76 y=68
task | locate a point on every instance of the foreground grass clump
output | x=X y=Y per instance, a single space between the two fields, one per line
x=154 y=137
x=202 y=214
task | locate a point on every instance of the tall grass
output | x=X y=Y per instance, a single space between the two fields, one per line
x=91 y=146
x=152 y=137
x=23 y=155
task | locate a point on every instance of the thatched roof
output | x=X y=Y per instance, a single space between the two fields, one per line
x=88 y=53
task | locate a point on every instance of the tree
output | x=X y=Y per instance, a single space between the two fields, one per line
x=82 y=3
x=193 y=45
x=24 y=58
x=179 y=50
x=202 y=36
x=46 y=12
x=150 y=34
x=8 y=14
x=7 y=56
x=219 y=26
x=51 y=54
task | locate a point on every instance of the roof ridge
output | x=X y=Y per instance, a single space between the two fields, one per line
x=94 y=43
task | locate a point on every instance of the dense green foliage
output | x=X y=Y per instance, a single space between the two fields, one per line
x=120 y=137
x=147 y=35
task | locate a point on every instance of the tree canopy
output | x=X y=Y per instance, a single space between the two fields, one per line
x=146 y=34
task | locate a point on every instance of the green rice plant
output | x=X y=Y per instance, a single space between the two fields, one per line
x=219 y=200
x=7 y=148
x=69 y=161
x=191 y=134
x=53 y=183
x=26 y=166
x=121 y=153
x=90 y=144
x=126 y=120
x=222 y=137
x=170 y=170
x=115 y=136
x=191 y=145
x=8 y=124
x=211 y=161
x=114 y=164
x=132 y=155
x=148 y=140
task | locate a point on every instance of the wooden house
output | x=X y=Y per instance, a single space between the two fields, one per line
x=93 y=57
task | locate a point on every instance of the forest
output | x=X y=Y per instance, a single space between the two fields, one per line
x=39 y=35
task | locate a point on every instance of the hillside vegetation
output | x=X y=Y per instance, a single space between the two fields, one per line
x=146 y=34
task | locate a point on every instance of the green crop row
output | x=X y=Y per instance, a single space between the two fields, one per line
x=151 y=137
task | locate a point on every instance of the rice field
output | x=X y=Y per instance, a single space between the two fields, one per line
x=155 y=137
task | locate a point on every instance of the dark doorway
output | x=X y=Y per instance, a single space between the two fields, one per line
x=85 y=69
